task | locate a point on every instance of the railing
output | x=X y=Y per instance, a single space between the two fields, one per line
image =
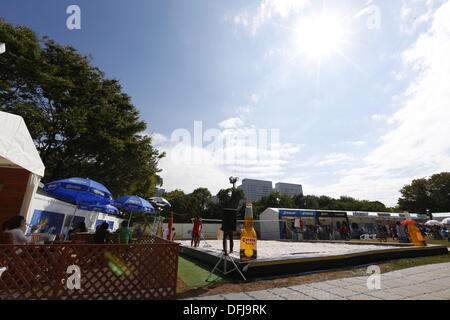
x=90 y=271
x=90 y=238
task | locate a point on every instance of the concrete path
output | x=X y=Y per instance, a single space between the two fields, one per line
x=430 y=282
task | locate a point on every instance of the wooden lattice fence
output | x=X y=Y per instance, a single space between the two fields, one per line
x=107 y=272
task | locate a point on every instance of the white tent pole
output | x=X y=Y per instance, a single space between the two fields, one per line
x=73 y=216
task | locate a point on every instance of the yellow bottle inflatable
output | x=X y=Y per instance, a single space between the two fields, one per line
x=248 y=236
x=416 y=236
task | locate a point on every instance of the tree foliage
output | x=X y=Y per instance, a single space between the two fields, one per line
x=82 y=123
x=422 y=194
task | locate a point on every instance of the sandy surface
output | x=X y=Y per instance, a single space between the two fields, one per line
x=278 y=249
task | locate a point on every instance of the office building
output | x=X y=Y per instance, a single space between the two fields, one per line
x=289 y=188
x=255 y=189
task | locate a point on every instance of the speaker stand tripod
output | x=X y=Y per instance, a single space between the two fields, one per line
x=225 y=257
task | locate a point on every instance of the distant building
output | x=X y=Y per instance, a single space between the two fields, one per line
x=160 y=192
x=255 y=189
x=289 y=188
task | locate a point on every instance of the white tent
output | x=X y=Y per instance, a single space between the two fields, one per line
x=441 y=216
x=270 y=225
x=17 y=151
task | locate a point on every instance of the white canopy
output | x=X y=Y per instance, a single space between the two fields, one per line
x=17 y=149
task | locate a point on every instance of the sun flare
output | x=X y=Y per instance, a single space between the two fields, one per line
x=320 y=36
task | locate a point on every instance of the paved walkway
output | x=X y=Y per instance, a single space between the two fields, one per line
x=430 y=282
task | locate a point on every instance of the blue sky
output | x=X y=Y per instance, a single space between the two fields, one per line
x=369 y=120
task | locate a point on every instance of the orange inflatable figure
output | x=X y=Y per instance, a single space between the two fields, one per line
x=416 y=236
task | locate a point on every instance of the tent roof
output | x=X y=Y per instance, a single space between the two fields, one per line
x=17 y=149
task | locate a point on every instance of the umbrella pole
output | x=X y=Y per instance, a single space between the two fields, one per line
x=129 y=219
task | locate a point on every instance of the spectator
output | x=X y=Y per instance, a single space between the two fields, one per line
x=81 y=227
x=15 y=226
x=196 y=230
x=403 y=238
x=166 y=233
x=345 y=231
x=101 y=233
x=137 y=233
x=125 y=233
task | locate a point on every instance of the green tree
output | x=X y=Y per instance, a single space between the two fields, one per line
x=198 y=201
x=179 y=205
x=225 y=201
x=273 y=200
x=423 y=194
x=306 y=202
x=416 y=196
x=82 y=123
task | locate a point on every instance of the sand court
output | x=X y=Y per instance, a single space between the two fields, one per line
x=283 y=249
x=279 y=258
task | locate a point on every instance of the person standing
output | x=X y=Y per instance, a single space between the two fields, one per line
x=403 y=238
x=101 y=233
x=196 y=230
x=125 y=233
x=138 y=232
x=228 y=227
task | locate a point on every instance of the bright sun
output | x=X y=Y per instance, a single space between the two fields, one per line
x=320 y=36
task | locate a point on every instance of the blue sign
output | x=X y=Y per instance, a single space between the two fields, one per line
x=297 y=213
x=47 y=222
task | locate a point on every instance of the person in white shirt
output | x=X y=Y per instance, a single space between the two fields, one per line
x=165 y=233
x=15 y=226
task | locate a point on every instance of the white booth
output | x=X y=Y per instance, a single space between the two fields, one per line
x=21 y=167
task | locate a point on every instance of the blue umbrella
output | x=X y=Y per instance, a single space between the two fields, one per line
x=103 y=208
x=79 y=190
x=133 y=203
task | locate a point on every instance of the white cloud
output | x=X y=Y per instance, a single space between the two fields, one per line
x=231 y=123
x=333 y=159
x=235 y=149
x=416 y=13
x=158 y=138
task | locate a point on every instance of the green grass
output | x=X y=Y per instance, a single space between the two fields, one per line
x=194 y=275
x=415 y=262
